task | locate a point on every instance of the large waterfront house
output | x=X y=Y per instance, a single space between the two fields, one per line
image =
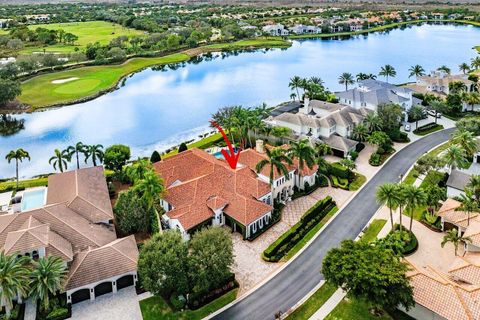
x=203 y=190
x=275 y=30
x=321 y=121
x=372 y=93
x=72 y=220
x=439 y=82
x=303 y=29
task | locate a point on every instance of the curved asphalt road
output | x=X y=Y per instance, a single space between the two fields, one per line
x=303 y=274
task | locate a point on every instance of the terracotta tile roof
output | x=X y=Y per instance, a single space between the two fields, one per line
x=437 y=292
x=199 y=183
x=450 y=213
x=93 y=265
x=84 y=190
x=466 y=269
x=473 y=231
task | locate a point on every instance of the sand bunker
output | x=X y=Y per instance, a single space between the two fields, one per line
x=64 y=80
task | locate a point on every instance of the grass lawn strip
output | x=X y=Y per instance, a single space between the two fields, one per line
x=23 y=184
x=353 y=309
x=306 y=310
x=373 y=229
x=201 y=144
x=155 y=308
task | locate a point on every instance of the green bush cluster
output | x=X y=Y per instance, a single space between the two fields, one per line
x=14 y=313
x=337 y=170
x=428 y=128
x=176 y=302
x=57 y=314
x=398 y=136
x=338 y=182
x=435 y=178
x=289 y=239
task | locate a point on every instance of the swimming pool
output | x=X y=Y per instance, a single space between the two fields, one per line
x=219 y=154
x=33 y=199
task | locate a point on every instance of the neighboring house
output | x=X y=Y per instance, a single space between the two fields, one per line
x=438 y=16
x=38 y=17
x=74 y=223
x=456 y=183
x=439 y=81
x=334 y=28
x=318 y=120
x=356 y=26
x=372 y=93
x=203 y=190
x=275 y=30
x=451 y=295
x=4 y=23
x=302 y=29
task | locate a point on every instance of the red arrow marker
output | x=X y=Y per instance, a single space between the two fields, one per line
x=231 y=157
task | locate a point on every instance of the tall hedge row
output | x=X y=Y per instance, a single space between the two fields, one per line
x=289 y=239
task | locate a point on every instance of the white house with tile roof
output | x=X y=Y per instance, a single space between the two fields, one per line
x=74 y=225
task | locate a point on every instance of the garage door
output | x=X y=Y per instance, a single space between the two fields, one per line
x=103 y=288
x=80 y=295
x=125 y=281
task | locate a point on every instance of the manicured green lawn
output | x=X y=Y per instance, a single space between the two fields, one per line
x=155 y=308
x=91 y=81
x=309 y=235
x=359 y=180
x=87 y=32
x=353 y=309
x=373 y=229
x=306 y=310
x=201 y=144
x=410 y=178
x=23 y=184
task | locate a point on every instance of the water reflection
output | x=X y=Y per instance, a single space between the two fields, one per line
x=163 y=106
x=10 y=125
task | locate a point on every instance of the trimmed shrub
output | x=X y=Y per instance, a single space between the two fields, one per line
x=428 y=128
x=182 y=147
x=279 y=248
x=155 y=157
x=339 y=182
x=336 y=169
x=375 y=159
x=57 y=314
x=176 y=302
x=435 y=178
x=353 y=155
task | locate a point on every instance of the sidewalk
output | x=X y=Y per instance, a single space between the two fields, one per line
x=329 y=305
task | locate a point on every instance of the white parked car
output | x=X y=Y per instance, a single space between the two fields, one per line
x=407 y=127
x=432 y=113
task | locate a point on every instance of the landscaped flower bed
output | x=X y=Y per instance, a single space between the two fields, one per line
x=278 y=249
x=427 y=128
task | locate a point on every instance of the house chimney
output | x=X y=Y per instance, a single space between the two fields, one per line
x=259 y=146
x=306 y=105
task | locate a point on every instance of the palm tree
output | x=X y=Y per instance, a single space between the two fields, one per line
x=464 y=68
x=75 y=150
x=95 y=152
x=474 y=186
x=364 y=76
x=387 y=71
x=305 y=154
x=60 y=160
x=276 y=159
x=316 y=80
x=437 y=106
x=14 y=279
x=416 y=113
x=346 y=79
x=373 y=122
x=360 y=132
x=18 y=155
x=472 y=98
x=401 y=202
x=47 y=278
x=416 y=70
x=445 y=69
x=469 y=205
x=453 y=237
x=387 y=194
x=454 y=157
x=348 y=163
x=150 y=188
x=323 y=149
x=323 y=167
x=475 y=63
x=295 y=83
x=466 y=140
x=414 y=198
x=293 y=96
x=137 y=171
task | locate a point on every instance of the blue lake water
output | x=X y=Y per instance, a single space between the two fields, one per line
x=157 y=109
